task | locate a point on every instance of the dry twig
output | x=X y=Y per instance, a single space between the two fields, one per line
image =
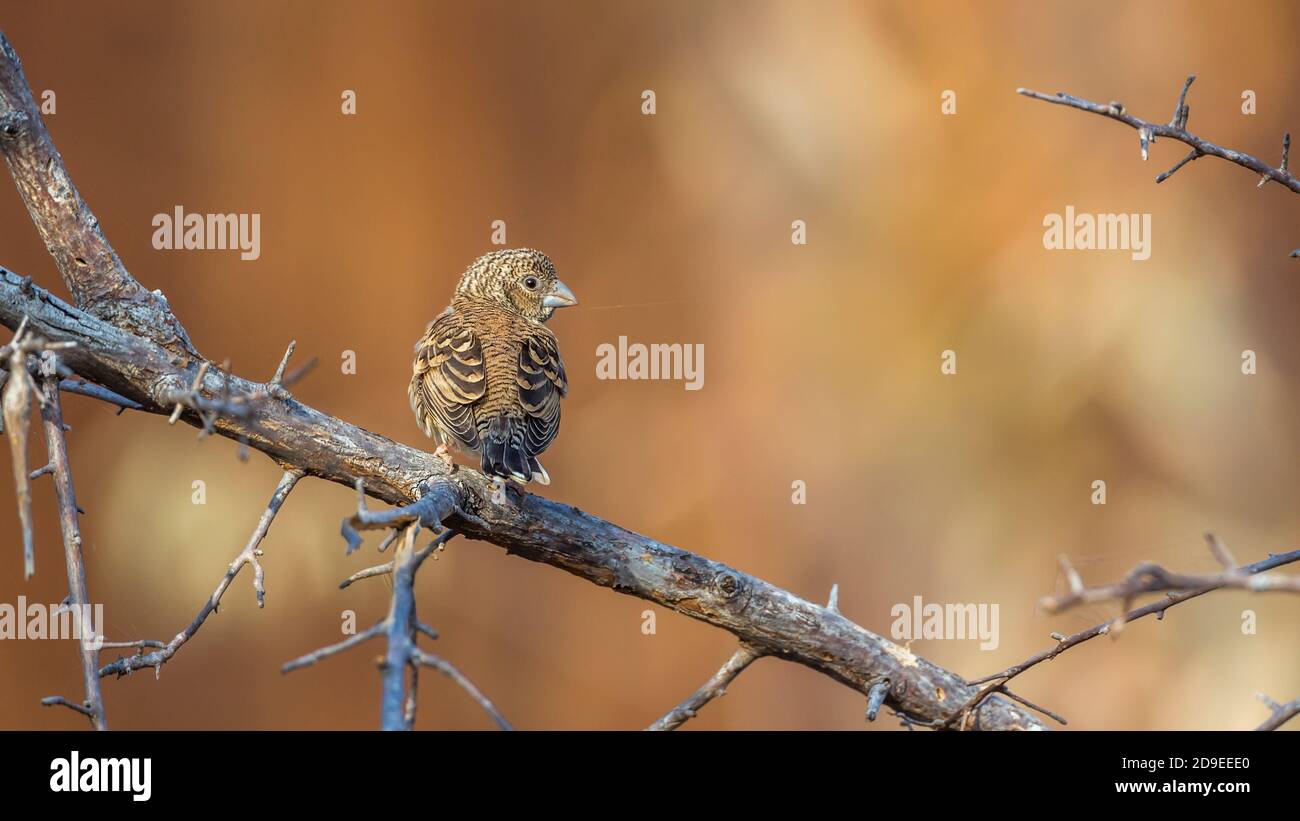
x=78 y=599
x=1176 y=129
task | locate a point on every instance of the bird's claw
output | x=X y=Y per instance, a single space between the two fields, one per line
x=444 y=453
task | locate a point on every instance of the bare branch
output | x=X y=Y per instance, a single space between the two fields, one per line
x=78 y=599
x=1176 y=129
x=60 y=701
x=1063 y=643
x=249 y=555
x=333 y=649
x=1148 y=577
x=535 y=528
x=401 y=626
x=715 y=687
x=1191 y=155
x=91 y=269
x=445 y=667
x=378 y=570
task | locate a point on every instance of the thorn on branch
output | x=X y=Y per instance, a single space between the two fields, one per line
x=1286 y=151
x=1282 y=713
x=1194 y=154
x=192 y=395
x=60 y=701
x=876 y=697
x=278 y=384
x=1181 y=111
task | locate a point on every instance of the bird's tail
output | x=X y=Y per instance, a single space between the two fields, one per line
x=504 y=454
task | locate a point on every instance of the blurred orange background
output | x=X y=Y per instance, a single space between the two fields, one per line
x=822 y=361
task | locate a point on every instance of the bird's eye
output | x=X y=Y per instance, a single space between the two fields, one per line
x=530 y=283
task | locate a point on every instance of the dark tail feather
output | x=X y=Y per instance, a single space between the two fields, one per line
x=503 y=451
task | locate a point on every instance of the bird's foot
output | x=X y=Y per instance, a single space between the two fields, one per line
x=444 y=453
x=498 y=490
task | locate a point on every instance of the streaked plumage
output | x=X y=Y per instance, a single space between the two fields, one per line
x=488 y=378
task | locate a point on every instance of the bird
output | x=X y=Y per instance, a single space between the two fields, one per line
x=487 y=377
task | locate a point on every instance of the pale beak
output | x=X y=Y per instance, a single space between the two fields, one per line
x=559 y=297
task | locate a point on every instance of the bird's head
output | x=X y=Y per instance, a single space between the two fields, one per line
x=520 y=279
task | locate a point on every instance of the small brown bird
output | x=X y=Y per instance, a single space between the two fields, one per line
x=488 y=377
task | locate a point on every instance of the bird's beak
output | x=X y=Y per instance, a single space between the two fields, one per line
x=560 y=296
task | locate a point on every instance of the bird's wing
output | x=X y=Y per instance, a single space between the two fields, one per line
x=542 y=384
x=449 y=378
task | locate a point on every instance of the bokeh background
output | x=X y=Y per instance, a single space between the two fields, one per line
x=822 y=361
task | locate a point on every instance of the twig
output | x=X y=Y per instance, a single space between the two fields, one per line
x=378 y=570
x=1063 y=643
x=249 y=555
x=1191 y=155
x=715 y=687
x=1282 y=713
x=428 y=511
x=445 y=667
x=386 y=568
x=1176 y=129
x=400 y=626
x=57 y=447
x=60 y=701
x=334 y=649
x=400 y=630
x=1149 y=577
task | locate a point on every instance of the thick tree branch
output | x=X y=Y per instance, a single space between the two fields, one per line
x=295 y=435
x=91 y=269
x=129 y=342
